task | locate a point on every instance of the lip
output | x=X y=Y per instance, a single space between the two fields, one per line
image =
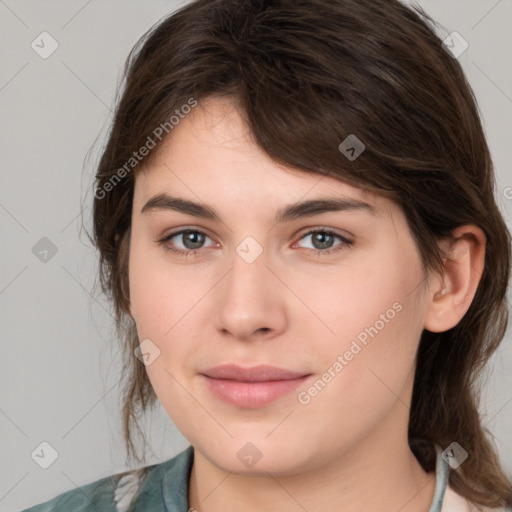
x=252 y=387
x=260 y=373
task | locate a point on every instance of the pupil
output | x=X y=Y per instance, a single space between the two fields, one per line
x=195 y=238
x=320 y=237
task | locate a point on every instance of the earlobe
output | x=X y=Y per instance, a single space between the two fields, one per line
x=452 y=293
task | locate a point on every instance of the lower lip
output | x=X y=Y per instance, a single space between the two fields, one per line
x=252 y=394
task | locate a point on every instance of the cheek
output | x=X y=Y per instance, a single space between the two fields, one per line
x=165 y=299
x=161 y=293
x=370 y=315
x=159 y=307
x=368 y=365
x=363 y=292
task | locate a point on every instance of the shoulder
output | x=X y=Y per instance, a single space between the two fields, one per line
x=115 y=493
x=454 y=502
x=109 y=494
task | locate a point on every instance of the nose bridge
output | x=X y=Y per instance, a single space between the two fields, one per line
x=249 y=270
x=248 y=300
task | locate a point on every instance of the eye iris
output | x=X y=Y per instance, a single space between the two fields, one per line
x=196 y=239
x=321 y=237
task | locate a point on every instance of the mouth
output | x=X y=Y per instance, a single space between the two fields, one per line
x=251 y=387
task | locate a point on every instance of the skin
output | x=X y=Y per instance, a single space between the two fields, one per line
x=346 y=449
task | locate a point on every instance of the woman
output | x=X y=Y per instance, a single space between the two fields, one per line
x=296 y=224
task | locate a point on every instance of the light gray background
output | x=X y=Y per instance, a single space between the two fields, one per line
x=59 y=370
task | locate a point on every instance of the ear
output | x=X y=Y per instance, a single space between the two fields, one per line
x=451 y=294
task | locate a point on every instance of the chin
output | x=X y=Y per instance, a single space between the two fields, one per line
x=257 y=457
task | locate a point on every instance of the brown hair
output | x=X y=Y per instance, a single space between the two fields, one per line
x=305 y=74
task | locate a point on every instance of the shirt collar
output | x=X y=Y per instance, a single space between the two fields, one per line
x=175 y=481
x=441 y=481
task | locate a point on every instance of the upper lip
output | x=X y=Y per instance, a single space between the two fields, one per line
x=260 y=373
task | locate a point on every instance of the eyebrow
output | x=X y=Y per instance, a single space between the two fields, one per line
x=165 y=202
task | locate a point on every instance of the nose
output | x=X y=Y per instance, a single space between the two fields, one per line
x=250 y=301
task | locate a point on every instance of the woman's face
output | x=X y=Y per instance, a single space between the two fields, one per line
x=343 y=311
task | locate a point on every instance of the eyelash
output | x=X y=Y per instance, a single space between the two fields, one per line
x=195 y=252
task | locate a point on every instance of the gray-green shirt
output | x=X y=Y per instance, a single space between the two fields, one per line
x=164 y=488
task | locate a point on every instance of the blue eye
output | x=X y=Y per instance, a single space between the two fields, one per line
x=193 y=240
x=322 y=241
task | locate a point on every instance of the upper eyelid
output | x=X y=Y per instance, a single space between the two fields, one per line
x=329 y=231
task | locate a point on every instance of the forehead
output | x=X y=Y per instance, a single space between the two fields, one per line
x=211 y=155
